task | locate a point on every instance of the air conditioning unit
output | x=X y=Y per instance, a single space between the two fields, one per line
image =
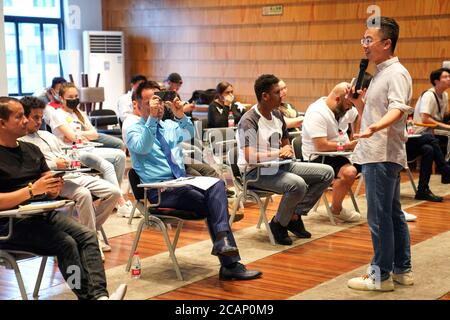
x=103 y=53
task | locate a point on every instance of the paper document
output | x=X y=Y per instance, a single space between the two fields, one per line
x=52 y=204
x=203 y=183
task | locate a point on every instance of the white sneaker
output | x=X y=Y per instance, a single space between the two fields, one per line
x=405 y=279
x=348 y=215
x=409 y=216
x=120 y=292
x=367 y=283
x=126 y=209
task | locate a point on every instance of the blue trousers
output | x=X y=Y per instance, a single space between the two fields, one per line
x=388 y=228
x=211 y=204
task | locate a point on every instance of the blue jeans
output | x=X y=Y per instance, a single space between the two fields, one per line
x=211 y=204
x=390 y=233
x=110 y=141
x=75 y=246
x=300 y=183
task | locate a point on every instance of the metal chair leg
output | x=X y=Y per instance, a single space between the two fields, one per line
x=39 y=278
x=12 y=261
x=132 y=212
x=328 y=208
x=235 y=208
x=358 y=187
x=105 y=238
x=266 y=204
x=264 y=218
x=411 y=178
x=352 y=196
x=135 y=243
x=171 y=249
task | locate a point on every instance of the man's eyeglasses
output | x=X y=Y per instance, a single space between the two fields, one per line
x=369 y=41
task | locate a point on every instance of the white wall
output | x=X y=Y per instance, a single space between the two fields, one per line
x=81 y=15
x=3 y=76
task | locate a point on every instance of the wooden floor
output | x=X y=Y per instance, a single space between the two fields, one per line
x=285 y=274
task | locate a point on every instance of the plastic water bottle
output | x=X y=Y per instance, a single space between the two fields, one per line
x=341 y=141
x=75 y=162
x=136 y=266
x=230 y=119
x=410 y=125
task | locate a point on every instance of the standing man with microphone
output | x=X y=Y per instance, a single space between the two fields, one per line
x=382 y=154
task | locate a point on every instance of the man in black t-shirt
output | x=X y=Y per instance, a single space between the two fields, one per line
x=24 y=175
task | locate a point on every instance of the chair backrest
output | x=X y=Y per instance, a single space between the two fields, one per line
x=110 y=117
x=134 y=180
x=297 y=147
x=92 y=94
x=220 y=134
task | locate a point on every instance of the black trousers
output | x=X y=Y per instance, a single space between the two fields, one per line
x=75 y=246
x=428 y=147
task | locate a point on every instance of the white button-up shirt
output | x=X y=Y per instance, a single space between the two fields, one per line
x=391 y=88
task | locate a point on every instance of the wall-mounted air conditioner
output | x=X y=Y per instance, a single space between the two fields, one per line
x=103 y=53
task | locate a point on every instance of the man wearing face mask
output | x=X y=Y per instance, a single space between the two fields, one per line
x=223 y=104
x=326 y=120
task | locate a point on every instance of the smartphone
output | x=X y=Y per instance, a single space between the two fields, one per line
x=58 y=174
x=166 y=95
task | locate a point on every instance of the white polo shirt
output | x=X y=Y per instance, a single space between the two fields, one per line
x=320 y=122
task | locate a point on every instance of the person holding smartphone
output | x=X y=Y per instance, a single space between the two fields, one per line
x=24 y=174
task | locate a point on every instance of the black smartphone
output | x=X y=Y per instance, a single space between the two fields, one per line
x=166 y=95
x=58 y=174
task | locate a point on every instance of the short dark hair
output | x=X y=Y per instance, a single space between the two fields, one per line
x=57 y=80
x=174 y=77
x=146 y=85
x=30 y=103
x=436 y=74
x=264 y=83
x=137 y=78
x=5 y=112
x=390 y=30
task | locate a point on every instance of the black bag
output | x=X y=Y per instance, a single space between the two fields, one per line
x=203 y=96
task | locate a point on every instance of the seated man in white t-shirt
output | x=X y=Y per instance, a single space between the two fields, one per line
x=326 y=122
x=432 y=108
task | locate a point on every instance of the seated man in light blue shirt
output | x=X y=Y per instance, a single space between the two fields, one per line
x=156 y=155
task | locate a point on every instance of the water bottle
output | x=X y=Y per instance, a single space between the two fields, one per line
x=410 y=125
x=341 y=141
x=75 y=162
x=136 y=266
x=230 y=119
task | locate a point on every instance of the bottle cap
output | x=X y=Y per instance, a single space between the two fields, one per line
x=136 y=252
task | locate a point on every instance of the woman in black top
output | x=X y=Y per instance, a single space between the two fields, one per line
x=220 y=108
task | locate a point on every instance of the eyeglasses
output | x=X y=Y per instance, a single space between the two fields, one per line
x=369 y=41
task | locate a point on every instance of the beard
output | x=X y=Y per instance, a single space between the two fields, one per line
x=340 y=111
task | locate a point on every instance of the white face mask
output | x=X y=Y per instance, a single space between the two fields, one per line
x=228 y=100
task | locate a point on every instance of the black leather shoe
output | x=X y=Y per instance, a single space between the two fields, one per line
x=223 y=247
x=280 y=233
x=428 y=196
x=230 y=193
x=298 y=228
x=237 y=217
x=239 y=272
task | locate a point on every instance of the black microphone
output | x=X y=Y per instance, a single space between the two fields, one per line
x=362 y=70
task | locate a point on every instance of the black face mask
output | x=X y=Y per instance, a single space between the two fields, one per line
x=72 y=103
